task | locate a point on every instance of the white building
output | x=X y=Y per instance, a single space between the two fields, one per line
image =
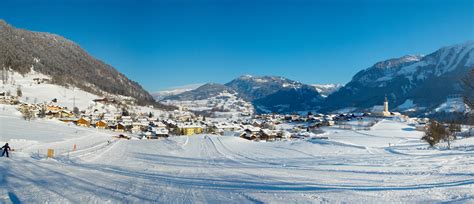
x=381 y=110
x=127 y=120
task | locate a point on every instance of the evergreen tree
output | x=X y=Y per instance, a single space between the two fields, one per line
x=75 y=110
x=42 y=112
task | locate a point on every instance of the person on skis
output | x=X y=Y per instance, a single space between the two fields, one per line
x=6 y=148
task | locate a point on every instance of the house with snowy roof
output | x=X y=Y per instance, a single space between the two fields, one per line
x=127 y=120
x=250 y=132
x=189 y=129
x=160 y=131
x=101 y=124
x=83 y=122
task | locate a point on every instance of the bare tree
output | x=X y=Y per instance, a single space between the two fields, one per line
x=19 y=93
x=453 y=128
x=468 y=82
x=27 y=114
x=434 y=133
x=3 y=75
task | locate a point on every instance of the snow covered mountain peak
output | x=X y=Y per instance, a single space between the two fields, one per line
x=451 y=56
x=467 y=44
x=424 y=81
x=246 y=76
x=418 y=67
x=264 y=79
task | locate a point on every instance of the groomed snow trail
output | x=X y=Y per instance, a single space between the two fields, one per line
x=349 y=167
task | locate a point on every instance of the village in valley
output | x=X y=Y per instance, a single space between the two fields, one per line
x=236 y=102
x=235 y=118
x=108 y=137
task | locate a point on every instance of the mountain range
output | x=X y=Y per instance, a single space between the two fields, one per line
x=414 y=83
x=267 y=93
x=424 y=81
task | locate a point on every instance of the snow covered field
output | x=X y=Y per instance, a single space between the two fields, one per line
x=45 y=92
x=352 y=166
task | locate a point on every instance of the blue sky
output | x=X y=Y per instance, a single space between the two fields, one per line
x=171 y=43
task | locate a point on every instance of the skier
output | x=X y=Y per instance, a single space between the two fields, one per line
x=5 y=148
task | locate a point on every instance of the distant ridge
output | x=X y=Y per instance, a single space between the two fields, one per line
x=425 y=82
x=415 y=83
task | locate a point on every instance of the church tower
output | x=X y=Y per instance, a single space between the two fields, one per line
x=385 y=105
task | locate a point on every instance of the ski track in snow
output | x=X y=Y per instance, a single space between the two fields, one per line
x=352 y=166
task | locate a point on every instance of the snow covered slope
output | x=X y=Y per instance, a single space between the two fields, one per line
x=65 y=62
x=326 y=89
x=352 y=166
x=455 y=104
x=32 y=92
x=30 y=137
x=222 y=104
x=159 y=95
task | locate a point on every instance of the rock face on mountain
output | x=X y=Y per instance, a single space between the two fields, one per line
x=287 y=100
x=276 y=94
x=425 y=82
x=66 y=62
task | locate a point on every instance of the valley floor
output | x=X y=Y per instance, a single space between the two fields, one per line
x=352 y=166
